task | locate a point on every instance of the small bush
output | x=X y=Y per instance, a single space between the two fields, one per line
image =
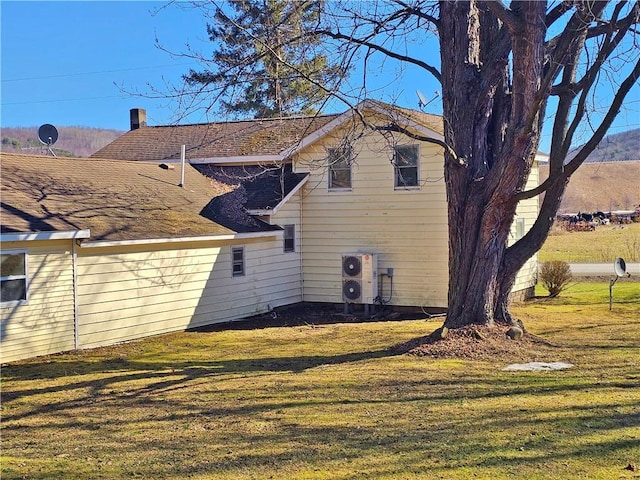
x=555 y=276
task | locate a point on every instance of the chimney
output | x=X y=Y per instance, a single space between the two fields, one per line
x=138 y=118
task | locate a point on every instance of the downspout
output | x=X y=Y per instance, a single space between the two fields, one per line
x=300 y=246
x=76 y=320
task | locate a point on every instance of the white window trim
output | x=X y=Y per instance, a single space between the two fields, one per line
x=396 y=168
x=14 y=303
x=329 y=168
x=233 y=262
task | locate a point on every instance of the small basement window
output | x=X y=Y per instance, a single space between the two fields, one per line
x=14 y=287
x=237 y=262
x=289 y=238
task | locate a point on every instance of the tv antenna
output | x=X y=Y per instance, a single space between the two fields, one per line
x=620 y=267
x=422 y=100
x=48 y=135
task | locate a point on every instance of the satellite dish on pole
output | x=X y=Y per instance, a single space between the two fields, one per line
x=620 y=267
x=48 y=135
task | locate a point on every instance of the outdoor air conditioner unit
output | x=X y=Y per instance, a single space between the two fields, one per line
x=359 y=278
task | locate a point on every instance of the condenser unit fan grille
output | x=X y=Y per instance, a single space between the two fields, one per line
x=351 y=266
x=351 y=289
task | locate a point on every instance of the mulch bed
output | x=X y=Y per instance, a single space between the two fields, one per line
x=479 y=342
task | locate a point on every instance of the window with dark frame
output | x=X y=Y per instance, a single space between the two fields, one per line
x=289 y=238
x=405 y=162
x=237 y=255
x=339 y=168
x=13 y=277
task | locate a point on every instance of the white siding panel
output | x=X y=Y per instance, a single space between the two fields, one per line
x=45 y=324
x=407 y=229
x=126 y=294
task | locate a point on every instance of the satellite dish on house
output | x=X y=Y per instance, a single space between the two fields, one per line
x=422 y=100
x=620 y=267
x=48 y=135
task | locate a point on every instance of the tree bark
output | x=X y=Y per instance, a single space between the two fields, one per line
x=495 y=112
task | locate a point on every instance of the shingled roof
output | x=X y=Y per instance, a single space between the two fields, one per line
x=261 y=139
x=115 y=199
x=213 y=140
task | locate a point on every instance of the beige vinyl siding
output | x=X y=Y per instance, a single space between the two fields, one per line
x=407 y=229
x=290 y=214
x=527 y=210
x=124 y=294
x=45 y=324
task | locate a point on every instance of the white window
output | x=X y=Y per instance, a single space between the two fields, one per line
x=237 y=261
x=289 y=238
x=339 y=168
x=14 y=285
x=405 y=162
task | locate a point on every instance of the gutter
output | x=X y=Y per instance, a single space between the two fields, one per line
x=27 y=236
x=206 y=238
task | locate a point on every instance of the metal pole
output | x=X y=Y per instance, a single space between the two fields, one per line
x=182 y=160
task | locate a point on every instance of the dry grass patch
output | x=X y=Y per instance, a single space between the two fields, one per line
x=602 y=245
x=334 y=402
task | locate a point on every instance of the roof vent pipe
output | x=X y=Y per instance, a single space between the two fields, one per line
x=138 y=118
x=183 y=156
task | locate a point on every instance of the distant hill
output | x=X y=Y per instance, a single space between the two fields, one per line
x=603 y=186
x=72 y=141
x=619 y=147
x=608 y=180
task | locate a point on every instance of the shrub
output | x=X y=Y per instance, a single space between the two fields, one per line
x=555 y=276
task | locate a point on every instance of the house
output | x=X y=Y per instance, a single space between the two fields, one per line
x=96 y=252
x=334 y=208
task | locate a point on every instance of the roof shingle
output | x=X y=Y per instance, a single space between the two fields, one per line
x=114 y=199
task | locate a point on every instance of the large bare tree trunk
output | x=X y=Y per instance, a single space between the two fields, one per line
x=492 y=127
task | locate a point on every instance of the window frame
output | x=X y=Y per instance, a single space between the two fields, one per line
x=238 y=262
x=25 y=277
x=335 y=157
x=397 y=170
x=289 y=238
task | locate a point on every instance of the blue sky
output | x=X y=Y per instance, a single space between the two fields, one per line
x=80 y=63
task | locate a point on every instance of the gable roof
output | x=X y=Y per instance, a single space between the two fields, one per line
x=116 y=200
x=247 y=138
x=251 y=141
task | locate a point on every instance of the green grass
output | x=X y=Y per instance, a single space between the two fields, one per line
x=331 y=402
x=603 y=245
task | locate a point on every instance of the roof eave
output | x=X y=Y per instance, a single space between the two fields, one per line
x=237 y=159
x=54 y=235
x=202 y=238
x=273 y=211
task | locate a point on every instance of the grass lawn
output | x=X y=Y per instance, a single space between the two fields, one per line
x=331 y=402
x=602 y=245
